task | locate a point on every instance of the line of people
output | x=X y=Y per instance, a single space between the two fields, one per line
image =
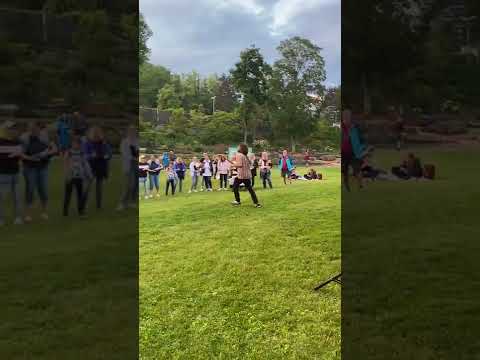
x=202 y=172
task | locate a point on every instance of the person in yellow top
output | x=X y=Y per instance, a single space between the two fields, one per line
x=242 y=164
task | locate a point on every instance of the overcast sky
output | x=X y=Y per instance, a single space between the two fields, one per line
x=208 y=35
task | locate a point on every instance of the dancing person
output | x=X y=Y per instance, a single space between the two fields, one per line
x=154 y=168
x=286 y=167
x=63 y=133
x=37 y=154
x=244 y=176
x=165 y=160
x=266 y=170
x=171 y=175
x=99 y=153
x=194 y=174
x=10 y=155
x=180 y=169
x=223 y=169
x=77 y=176
x=143 y=175
x=130 y=152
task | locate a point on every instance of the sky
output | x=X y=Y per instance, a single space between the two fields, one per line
x=208 y=35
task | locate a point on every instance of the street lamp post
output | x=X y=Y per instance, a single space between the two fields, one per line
x=213 y=104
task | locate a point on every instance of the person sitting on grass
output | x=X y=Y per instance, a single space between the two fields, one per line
x=286 y=167
x=312 y=175
x=171 y=175
x=143 y=175
x=410 y=168
x=242 y=164
x=78 y=175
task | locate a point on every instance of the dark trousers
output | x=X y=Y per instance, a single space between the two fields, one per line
x=223 y=180
x=98 y=192
x=170 y=183
x=248 y=186
x=266 y=178
x=69 y=186
x=208 y=182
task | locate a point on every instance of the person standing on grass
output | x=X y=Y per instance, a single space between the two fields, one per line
x=10 y=155
x=130 y=152
x=165 y=160
x=223 y=169
x=253 y=168
x=194 y=174
x=37 y=154
x=286 y=167
x=242 y=164
x=207 y=172
x=180 y=169
x=171 y=175
x=143 y=175
x=63 y=133
x=77 y=175
x=154 y=168
x=98 y=153
x=352 y=150
x=266 y=170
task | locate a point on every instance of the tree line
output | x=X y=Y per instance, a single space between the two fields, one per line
x=284 y=103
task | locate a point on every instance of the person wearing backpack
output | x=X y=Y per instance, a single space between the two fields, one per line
x=37 y=154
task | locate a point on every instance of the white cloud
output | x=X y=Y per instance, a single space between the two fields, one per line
x=250 y=6
x=284 y=11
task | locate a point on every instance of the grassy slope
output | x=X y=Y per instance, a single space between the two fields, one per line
x=413 y=296
x=69 y=286
x=236 y=283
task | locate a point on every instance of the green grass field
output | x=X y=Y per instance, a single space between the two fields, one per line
x=410 y=259
x=218 y=282
x=69 y=286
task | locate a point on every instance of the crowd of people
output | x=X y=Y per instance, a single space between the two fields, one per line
x=85 y=153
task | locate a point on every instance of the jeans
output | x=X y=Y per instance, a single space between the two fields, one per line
x=266 y=178
x=142 y=182
x=154 y=183
x=223 y=180
x=78 y=184
x=208 y=182
x=248 y=186
x=180 y=184
x=194 y=182
x=172 y=184
x=130 y=193
x=36 y=179
x=9 y=184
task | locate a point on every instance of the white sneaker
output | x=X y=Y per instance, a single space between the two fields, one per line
x=44 y=216
x=195 y=190
x=235 y=203
x=201 y=189
x=18 y=221
x=28 y=219
x=190 y=192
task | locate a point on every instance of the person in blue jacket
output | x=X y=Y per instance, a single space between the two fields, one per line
x=63 y=133
x=286 y=167
x=165 y=160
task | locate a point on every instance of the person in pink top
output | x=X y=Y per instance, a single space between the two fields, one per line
x=223 y=167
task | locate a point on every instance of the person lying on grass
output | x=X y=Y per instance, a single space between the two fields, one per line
x=244 y=176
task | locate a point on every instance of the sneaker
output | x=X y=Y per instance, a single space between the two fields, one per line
x=132 y=206
x=190 y=192
x=120 y=207
x=221 y=189
x=235 y=203
x=44 y=216
x=146 y=197
x=201 y=189
x=18 y=221
x=210 y=189
x=28 y=219
x=195 y=190
x=258 y=206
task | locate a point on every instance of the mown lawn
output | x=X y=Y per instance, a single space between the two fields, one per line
x=410 y=259
x=69 y=287
x=218 y=282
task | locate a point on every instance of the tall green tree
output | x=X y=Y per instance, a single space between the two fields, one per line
x=250 y=78
x=169 y=98
x=152 y=78
x=297 y=80
x=144 y=33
